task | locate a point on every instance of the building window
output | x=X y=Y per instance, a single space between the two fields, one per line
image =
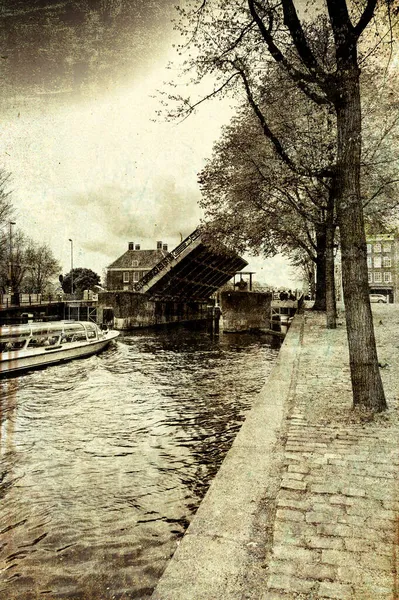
x=125 y=276
x=386 y=247
x=370 y=277
x=377 y=262
x=377 y=247
x=136 y=276
x=377 y=277
x=368 y=248
x=387 y=277
x=386 y=261
x=135 y=263
x=369 y=262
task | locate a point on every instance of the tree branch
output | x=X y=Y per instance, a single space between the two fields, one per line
x=343 y=31
x=302 y=79
x=365 y=18
x=298 y=36
x=270 y=135
x=238 y=40
x=265 y=127
x=192 y=107
x=379 y=191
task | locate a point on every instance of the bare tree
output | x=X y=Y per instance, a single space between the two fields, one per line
x=26 y=266
x=41 y=268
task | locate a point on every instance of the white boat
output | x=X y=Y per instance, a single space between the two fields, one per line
x=40 y=344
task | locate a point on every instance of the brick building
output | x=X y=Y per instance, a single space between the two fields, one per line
x=129 y=268
x=383 y=265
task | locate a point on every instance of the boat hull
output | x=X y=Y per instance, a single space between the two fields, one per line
x=18 y=361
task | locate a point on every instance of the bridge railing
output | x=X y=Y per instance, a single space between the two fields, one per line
x=8 y=300
x=167 y=260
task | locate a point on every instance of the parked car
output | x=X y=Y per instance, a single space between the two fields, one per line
x=378 y=298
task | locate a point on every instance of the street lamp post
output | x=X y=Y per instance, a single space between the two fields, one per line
x=71 y=265
x=10 y=265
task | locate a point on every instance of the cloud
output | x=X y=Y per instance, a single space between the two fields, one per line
x=113 y=215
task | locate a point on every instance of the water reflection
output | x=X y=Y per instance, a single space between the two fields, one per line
x=105 y=460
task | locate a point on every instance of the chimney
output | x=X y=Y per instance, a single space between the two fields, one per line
x=137 y=247
x=131 y=245
x=165 y=247
x=159 y=245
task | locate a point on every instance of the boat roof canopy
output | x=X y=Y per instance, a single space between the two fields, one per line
x=29 y=329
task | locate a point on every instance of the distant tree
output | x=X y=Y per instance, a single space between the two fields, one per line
x=29 y=268
x=42 y=267
x=5 y=198
x=6 y=211
x=303 y=268
x=13 y=264
x=83 y=279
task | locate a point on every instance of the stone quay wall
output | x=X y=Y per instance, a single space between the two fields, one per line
x=132 y=310
x=243 y=311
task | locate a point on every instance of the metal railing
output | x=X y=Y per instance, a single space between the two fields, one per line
x=9 y=300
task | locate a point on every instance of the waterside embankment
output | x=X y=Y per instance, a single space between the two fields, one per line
x=306 y=503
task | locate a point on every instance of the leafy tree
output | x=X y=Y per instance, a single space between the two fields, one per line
x=379 y=164
x=83 y=279
x=255 y=202
x=238 y=41
x=251 y=194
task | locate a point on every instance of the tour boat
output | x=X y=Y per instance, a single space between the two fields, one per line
x=40 y=344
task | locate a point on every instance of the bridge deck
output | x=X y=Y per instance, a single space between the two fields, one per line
x=193 y=271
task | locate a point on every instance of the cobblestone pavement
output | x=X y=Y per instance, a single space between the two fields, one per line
x=336 y=525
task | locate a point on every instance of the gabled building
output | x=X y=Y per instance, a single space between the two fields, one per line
x=383 y=265
x=129 y=268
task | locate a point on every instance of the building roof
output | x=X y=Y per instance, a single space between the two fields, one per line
x=146 y=259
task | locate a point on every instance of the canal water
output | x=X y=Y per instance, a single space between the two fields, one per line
x=105 y=460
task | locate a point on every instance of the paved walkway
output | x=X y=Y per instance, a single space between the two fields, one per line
x=335 y=530
x=322 y=508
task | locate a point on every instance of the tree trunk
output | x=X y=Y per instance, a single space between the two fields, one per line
x=331 y=306
x=366 y=379
x=320 y=299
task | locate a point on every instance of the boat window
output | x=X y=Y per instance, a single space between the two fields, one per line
x=37 y=341
x=79 y=336
x=91 y=331
x=72 y=332
x=40 y=332
x=54 y=329
x=11 y=345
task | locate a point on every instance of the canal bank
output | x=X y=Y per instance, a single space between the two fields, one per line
x=305 y=505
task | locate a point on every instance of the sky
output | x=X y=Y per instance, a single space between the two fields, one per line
x=89 y=158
